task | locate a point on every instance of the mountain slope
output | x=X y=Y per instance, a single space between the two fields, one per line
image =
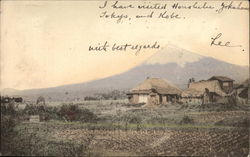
x=172 y=54
x=174 y=64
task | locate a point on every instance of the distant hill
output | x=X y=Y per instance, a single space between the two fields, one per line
x=172 y=63
x=10 y=91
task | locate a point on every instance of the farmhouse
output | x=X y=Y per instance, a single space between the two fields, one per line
x=154 y=91
x=215 y=89
x=225 y=83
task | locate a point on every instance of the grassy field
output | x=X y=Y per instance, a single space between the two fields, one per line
x=122 y=130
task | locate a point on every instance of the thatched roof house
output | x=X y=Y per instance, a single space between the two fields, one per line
x=197 y=89
x=154 y=91
x=225 y=83
x=207 y=91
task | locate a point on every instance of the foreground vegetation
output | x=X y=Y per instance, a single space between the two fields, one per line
x=118 y=129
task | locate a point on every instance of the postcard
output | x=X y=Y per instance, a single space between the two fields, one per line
x=124 y=78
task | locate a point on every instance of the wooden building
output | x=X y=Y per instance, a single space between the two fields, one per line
x=225 y=83
x=204 y=92
x=154 y=91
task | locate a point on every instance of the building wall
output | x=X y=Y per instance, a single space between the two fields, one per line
x=206 y=98
x=158 y=99
x=134 y=99
x=169 y=98
x=227 y=86
x=153 y=99
x=164 y=99
x=223 y=100
x=193 y=100
x=143 y=98
x=130 y=98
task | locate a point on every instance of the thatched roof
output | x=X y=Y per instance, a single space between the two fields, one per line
x=221 y=78
x=159 y=85
x=190 y=92
x=197 y=89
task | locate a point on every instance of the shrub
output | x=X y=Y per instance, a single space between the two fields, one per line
x=87 y=116
x=126 y=117
x=9 y=119
x=45 y=112
x=221 y=107
x=7 y=124
x=8 y=109
x=134 y=105
x=134 y=119
x=234 y=122
x=186 y=120
x=72 y=112
x=31 y=109
x=159 y=120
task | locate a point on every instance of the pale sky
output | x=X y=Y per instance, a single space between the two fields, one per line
x=45 y=44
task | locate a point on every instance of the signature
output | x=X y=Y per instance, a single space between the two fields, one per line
x=217 y=42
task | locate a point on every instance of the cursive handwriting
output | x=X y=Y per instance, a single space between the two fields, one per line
x=137 y=48
x=127 y=12
x=165 y=15
x=119 y=17
x=99 y=47
x=217 y=42
x=196 y=5
x=116 y=5
x=231 y=5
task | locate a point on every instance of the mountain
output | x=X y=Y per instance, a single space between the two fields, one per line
x=172 y=54
x=172 y=63
x=10 y=91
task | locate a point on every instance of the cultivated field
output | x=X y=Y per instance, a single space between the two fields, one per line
x=114 y=128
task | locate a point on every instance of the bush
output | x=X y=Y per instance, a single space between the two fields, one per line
x=7 y=124
x=134 y=105
x=234 y=122
x=72 y=112
x=32 y=109
x=127 y=117
x=69 y=112
x=9 y=119
x=186 y=120
x=45 y=112
x=159 y=120
x=134 y=119
x=87 y=116
x=8 y=109
x=221 y=107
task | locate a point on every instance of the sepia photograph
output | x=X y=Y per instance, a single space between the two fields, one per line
x=122 y=78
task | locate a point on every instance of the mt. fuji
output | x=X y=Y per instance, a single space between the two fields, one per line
x=172 y=54
x=171 y=63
